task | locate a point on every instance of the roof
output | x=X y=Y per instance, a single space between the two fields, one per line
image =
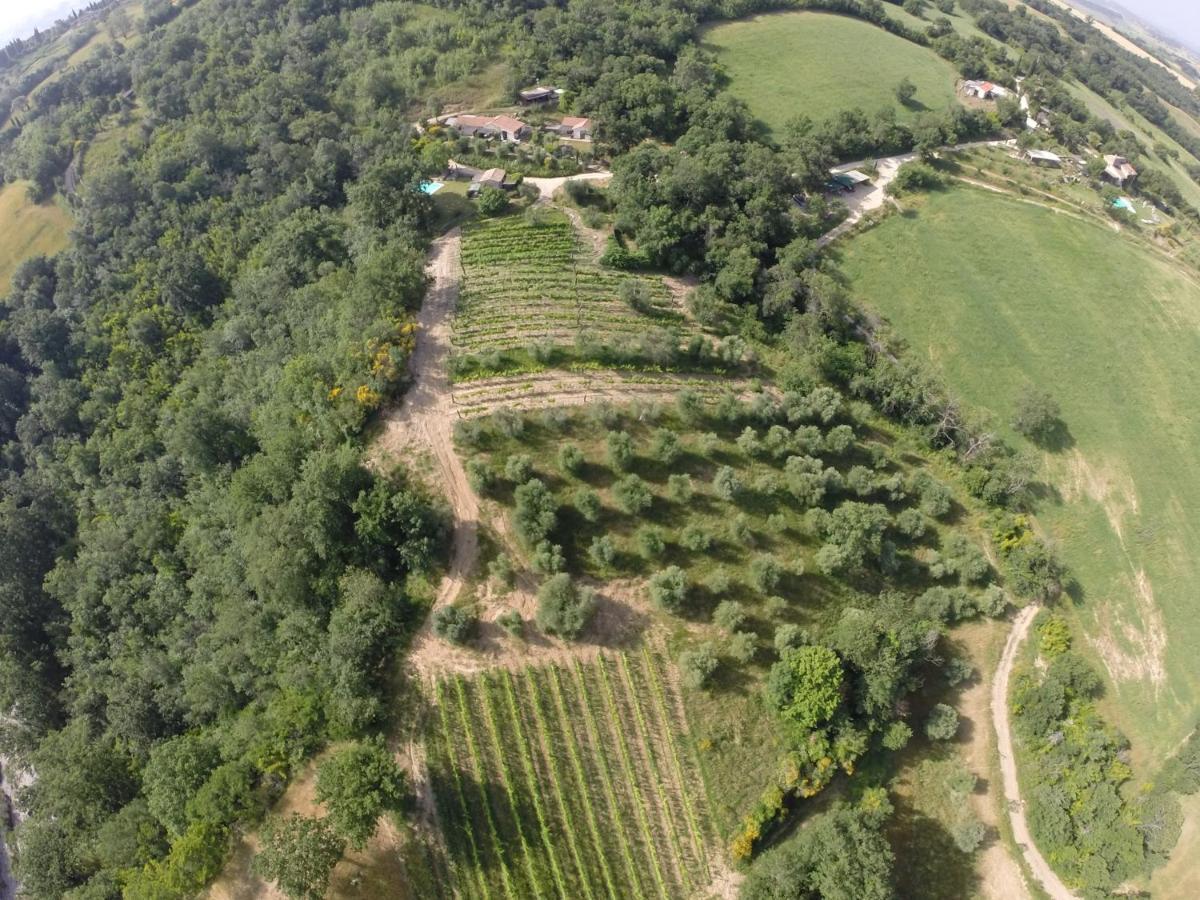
x=1044 y=154
x=987 y=86
x=576 y=122
x=537 y=92
x=491 y=175
x=504 y=123
x=1119 y=166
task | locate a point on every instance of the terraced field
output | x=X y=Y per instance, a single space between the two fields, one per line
x=573 y=781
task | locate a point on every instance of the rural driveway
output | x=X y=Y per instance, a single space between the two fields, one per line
x=886 y=168
x=1049 y=881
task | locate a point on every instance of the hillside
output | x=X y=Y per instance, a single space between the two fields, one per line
x=597 y=451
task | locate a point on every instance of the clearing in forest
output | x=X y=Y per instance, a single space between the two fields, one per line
x=29 y=229
x=574 y=781
x=1112 y=331
x=818 y=64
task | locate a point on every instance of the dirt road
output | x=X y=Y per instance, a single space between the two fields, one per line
x=1046 y=877
x=424 y=422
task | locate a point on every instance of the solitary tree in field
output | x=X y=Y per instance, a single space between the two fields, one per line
x=906 y=90
x=1037 y=415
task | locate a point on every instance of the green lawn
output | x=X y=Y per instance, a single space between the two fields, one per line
x=996 y=294
x=817 y=64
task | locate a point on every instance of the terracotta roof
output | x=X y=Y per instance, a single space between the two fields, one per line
x=508 y=123
x=505 y=123
x=575 y=122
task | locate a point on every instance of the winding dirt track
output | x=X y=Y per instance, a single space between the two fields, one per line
x=1046 y=877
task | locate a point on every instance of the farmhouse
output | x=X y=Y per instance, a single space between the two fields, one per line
x=1118 y=170
x=1043 y=158
x=489 y=178
x=984 y=90
x=505 y=128
x=573 y=127
x=539 y=96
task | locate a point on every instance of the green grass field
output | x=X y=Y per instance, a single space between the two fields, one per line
x=27 y=229
x=577 y=780
x=816 y=64
x=997 y=294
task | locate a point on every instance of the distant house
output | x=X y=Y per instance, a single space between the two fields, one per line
x=539 y=96
x=984 y=90
x=573 y=127
x=1118 y=170
x=489 y=178
x=1043 y=158
x=504 y=128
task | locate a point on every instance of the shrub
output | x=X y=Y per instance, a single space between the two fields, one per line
x=468 y=432
x=935 y=497
x=480 y=476
x=968 y=835
x=719 y=582
x=787 y=637
x=620 y=450
x=1054 y=636
x=958 y=670
x=766 y=573
x=602 y=551
x=742 y=646
x=679 y=488
x=839 y=439
x=805 y=686
x=634 y=292
x=696 y=538
x=632 y=495
x=896 y=736
x=650 y=542
x=547 y=558
x=915 y=176
x=512 y=623
x=668 y=589
x=492 y=201
x=518 y=468
x=665 y=447
x=299 y=854
x=910 y=523
x=690 y=404
x=729 y=615
x=564 y=609
x=570 y=459
x=501 y=568
x=708 y=443
x=696 y=667
x=454 y=624
x=508 y=422
x=740 y=532
x=942 y=723
x=587 y=503
x=535 y=512
x=749 y=443
x=726 y=484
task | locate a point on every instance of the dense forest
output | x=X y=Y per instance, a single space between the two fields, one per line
x=202 y=581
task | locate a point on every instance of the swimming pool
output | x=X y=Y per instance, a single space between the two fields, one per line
x=431 y=187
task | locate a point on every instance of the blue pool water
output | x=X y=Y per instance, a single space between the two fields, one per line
x=431 y=187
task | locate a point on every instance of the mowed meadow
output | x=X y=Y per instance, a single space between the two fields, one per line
x=817 y=64
x=997 y=294
x=29 y=229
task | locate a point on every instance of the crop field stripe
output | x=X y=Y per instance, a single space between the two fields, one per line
x=483 y=697
x=638 y=803
x=666 y=790
x=656 y=691
x=533 y=783
x=481 y=775
x=600 y=763
x=617 y=725
x=673 y=701
x=534 y=693
x=465 y=819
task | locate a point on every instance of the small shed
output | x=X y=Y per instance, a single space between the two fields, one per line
x=539 y=95
x=847 y=181
x=1043 y=158
x=573 y=127
x=489 y=178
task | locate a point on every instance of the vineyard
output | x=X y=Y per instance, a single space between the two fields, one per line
x=523 y=284
x=573 y=781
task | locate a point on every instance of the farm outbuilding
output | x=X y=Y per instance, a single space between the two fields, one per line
x=489 y=178
x=539 y=96
x=847 y=181
x=1043 y=158
x=984 y=90
x=1119 y=170
x=573 y=127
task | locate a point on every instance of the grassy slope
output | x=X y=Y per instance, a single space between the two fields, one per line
x=812 y=63
x=27 y=229
x=995 y=294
